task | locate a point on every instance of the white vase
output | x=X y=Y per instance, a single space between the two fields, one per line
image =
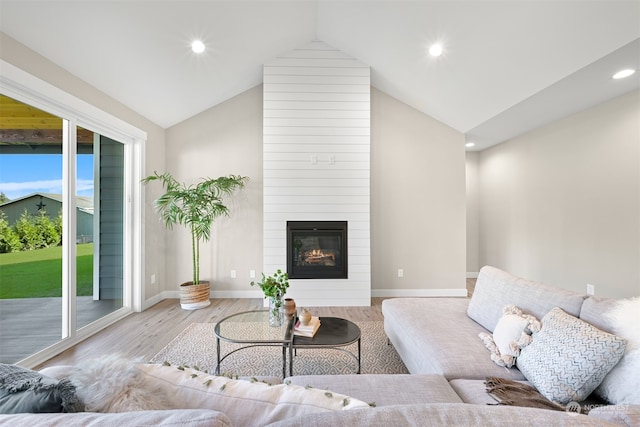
x=305 y=317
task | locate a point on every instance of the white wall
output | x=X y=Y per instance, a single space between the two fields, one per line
x=417 y=202
x=153 y=246
x=562 y=203
x=417 y=197
x=226 y=139
x=473 y=217
x=317 y=163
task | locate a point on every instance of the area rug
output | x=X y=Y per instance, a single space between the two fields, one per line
x=196 y=347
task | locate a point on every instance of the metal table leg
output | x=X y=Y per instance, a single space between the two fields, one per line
x=218 y=355
x=359 y=355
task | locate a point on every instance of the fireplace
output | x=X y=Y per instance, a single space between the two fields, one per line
x=317 y=249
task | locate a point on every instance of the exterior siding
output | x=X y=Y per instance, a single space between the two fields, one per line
x=111 y=252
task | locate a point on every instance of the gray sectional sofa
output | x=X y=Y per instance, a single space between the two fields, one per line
x=438 y=340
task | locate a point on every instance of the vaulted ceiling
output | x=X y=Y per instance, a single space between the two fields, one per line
x=507 y=66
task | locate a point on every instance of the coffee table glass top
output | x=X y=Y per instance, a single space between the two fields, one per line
x=253 y=327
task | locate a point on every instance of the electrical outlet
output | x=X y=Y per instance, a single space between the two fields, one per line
x=591 y=290
x=400 y=272
x=252 y=274
x=233 y=274
x=153 y=279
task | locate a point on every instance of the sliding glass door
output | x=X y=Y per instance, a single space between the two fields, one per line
x=62 y=229
x=100 y=242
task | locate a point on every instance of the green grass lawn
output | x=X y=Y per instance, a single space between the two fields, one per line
x=35 y=274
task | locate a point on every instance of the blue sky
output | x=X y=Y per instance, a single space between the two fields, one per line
x=23 y=174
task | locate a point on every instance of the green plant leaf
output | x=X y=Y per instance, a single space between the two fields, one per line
x=195 y=207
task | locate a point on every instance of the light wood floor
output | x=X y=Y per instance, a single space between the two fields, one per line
x=145 y=334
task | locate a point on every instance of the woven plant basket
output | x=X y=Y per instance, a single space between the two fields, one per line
x=193 y=297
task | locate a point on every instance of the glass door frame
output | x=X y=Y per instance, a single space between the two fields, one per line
x=75 y=113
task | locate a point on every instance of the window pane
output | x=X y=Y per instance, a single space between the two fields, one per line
x=100 y=219
x=30 y=230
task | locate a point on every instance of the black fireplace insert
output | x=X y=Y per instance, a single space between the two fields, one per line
x=317 y=249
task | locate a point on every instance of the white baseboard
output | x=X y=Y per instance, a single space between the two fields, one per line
x=472 y=274
x=418 y=293
x=214 y=294
x=374 y=293
x=153 y=300
x=237 y=294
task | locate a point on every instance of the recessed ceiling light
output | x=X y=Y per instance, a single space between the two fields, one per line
x=470 y=144
x=435 y=49
x=197 y=46
x=623 y=73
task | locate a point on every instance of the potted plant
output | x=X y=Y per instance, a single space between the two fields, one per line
x=196 y=207
x=274 y=287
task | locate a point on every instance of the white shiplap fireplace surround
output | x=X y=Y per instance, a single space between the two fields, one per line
x=317 y=163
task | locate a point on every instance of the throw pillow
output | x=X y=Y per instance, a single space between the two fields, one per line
x=511 y=334
x=23 y=390
x=244 y=402
x=568 y=358
x=622 y=384
x=113 y=384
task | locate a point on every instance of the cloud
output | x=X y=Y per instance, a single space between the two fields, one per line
x=84 y=185
x=15 y=190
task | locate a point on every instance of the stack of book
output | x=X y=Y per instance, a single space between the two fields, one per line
x=308 y=330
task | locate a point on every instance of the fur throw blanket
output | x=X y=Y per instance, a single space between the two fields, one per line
x=112 y=383
x=514 y=393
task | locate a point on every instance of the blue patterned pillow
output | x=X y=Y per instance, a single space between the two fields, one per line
x=569 y=358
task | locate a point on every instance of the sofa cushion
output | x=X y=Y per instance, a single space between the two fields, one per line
x=435 y=336
x=443 y=414
x=496 y=288
x=244 y=402
x=568 y=358
x=592 y=311
x=473 y=391
x=624 y=415
x=384 y=390
x=169 y=418
x=622 y=384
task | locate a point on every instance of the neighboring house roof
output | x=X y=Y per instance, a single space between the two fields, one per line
x=83 y=203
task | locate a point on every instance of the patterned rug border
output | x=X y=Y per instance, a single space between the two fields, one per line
x=196 y=346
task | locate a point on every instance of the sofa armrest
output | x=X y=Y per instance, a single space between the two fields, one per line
x=626 y=415
x=445 y=414
x=173 y=417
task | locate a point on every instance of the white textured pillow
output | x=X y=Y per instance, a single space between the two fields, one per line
x=512 y=332
x=622 y=384
x=568 y=358
x=244 y=402
x=508 y=330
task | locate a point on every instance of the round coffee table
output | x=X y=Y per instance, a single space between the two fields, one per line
x=333 y=333
x=252 y=329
